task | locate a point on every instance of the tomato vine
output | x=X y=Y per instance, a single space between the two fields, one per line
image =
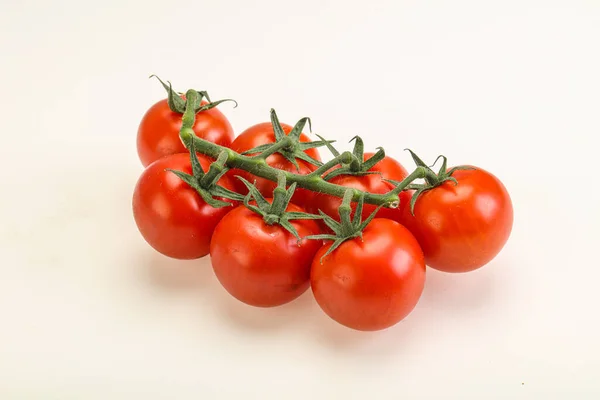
x=257 y=165
x=359 y=230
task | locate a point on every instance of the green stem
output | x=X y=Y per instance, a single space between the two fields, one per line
x=431 y=178
x=215 y=170
x=283 y=143
x=344 y=210
x=355 y=164
x=344 y=158
x=358 y=152
x=259 y=167
x=418 y=173
x=189 y=115
x=278 y=204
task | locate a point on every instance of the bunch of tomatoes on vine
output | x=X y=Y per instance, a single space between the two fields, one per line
x=359 y=230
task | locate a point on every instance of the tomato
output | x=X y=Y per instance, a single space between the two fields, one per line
x=170 y=215
x=388 y=168
x=263 y=133
x=158 y=132
x=462 y=227
x=370 y=283
x=259 y=264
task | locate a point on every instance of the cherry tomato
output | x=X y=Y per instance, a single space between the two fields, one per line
x=370 y=283
x=259 y=264
x=462 y=227
x=158 y=132
x=388 y=168
x=263 y=133
x=170 y=215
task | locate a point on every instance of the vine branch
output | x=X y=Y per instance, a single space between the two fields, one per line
x=258 y=166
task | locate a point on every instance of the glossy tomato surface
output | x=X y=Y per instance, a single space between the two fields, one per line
x=262 y=265
x=170 y=215
x=388 y=168
x=158 y=132
x=370 y=283
x=263 y=133
x=462 y=227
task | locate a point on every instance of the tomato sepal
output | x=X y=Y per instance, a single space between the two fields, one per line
x=347 y=228
x=432 y=179
x=289 y=146
x=177 y=103
x=205 y=183
x=357 y=165
x=275 y=212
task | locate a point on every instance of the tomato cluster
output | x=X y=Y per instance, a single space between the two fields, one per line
x=365 y=265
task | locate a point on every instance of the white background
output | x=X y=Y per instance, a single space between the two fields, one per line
x=89 y=311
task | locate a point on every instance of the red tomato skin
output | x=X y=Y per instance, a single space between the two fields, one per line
x=374 y=183
x=263 y=133
x=158 y=132
x=462 y=227
x=170 y=215
x=262 y=265
x=389 y=167
x=372 y=283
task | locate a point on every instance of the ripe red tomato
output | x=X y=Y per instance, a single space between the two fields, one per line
x=170 y=215
x=259 y=264
x=263 y=133
x=388 y=168
x=462 y=227
x=370 y=283
x=158 y=132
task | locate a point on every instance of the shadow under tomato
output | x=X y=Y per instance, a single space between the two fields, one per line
x=260 y=319
x=176 y=276
x=339 y=338
x=460 y=292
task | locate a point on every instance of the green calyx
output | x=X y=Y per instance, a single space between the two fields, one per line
x=275 y=212
x=357 y=165
x=347 y=228
x=289 y=146
x=205 y=183
x=178 y=104
x=432 y=179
